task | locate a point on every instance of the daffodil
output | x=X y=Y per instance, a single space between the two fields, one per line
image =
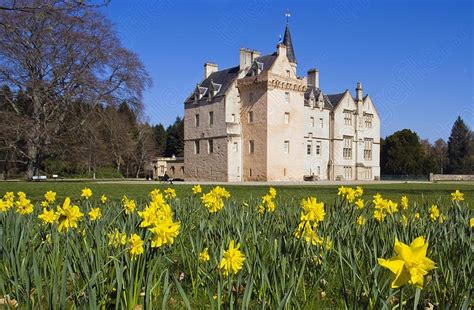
x=434 y=213
x=103 y=199
x=197 y=189
x=170 y=193
x=86 y=193
x=361 y=220
x=23 y=205
x=272 y=192
x=136 y=245
x=410 y=264
x=404 y=202
x=233 y=260
x=204 y=255
x=164 y=233
x=313 y=211
x=457 y=196
x=471 y=222
x=214 y=200
x=359 y=203
x=117 y=238
x=95 y=214
x=50 y=196
x=68 y=215
x=4 y=206
x=307 y=231
x=129 y=205
x=379 y=215
x=48 y=216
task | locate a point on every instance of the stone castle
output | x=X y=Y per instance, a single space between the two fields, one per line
x=260 y=121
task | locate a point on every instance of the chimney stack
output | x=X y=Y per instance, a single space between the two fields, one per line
x=247 y=56
x=313 y=78
x=209 y=68
x=359 y=91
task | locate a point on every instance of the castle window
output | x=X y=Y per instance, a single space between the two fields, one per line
x=286 y=147
x=318 y=147
x=251 y=97
x=347 y=172
x=368 y=173
x=288 y=73
x=251 y=147
x=368 y=148
x=368 y=120
x=210 y=146
x=250 y=116
x=309 y=147
x=319 y=170
x=321 y=123
x=232 y=118
x=196 y=120
x=311 y=121
x=347 y=150
x=287 y=118
x=236 y=147
x=287 y=97
x=211 y=118
x=347 y=117
x=196 y=147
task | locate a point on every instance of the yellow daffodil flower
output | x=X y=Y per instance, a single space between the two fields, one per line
x=410 y=264
x=233 y=260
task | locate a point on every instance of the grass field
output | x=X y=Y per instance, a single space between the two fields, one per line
x=167 y=251
x=429 y=192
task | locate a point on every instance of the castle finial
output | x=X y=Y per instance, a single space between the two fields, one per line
x=288 y=15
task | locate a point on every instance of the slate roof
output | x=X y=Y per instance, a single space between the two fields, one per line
x=223 y=77
x=335 y=98
x=266 y=60
x=290 y=51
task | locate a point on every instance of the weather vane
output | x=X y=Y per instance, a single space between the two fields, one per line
x=288 y=15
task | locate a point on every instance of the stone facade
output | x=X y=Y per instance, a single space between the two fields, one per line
x=172 y=166
x=260 y=121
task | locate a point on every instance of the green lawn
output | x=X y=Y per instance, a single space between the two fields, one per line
x=415 y=191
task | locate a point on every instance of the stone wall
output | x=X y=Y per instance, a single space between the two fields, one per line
x=451 y=177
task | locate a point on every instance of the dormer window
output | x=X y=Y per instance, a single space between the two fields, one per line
x=257 y=68
x=199 y=92
x=214 y=89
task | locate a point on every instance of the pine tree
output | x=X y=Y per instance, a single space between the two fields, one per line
x=459 y=149
x=160 y=139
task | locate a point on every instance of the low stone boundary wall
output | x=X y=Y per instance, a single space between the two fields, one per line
x=451 y=177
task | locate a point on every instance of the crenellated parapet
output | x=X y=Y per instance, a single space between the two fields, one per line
x=271 y=80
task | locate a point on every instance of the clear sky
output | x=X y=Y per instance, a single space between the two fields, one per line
x=414 y=58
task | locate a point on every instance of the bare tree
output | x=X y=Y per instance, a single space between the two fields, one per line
x=440 y=154
x=145 y=147
x=28 y=6
x=120 y=143
x=59 y=57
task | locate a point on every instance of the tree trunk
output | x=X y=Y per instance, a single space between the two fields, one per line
x=32 y=151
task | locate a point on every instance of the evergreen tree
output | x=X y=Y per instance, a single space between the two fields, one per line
x=175 y=138
x=460 y=157
x=159 y=132
x=403 y=154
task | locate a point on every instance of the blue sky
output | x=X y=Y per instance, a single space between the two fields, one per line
x=414 y=58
